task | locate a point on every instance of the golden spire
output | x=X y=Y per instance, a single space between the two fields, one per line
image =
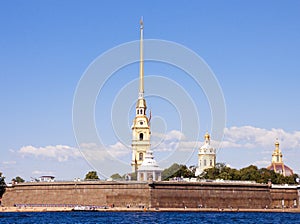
x=141 y=92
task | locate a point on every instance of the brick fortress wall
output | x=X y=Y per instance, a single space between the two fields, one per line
x=155 y=195
x=210 y=195
x=98 y=193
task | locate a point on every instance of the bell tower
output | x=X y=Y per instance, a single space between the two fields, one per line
x=140 y=127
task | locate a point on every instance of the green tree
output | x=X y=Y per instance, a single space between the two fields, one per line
x=91 y=175
x=18 y=180
x=168 y=173
x=235 y=174
x=177 y=170
x=215 y=172
x=116 y=176
x=184 y=172
x=2 y=185
x=211 y=173
x=266 y=175
x=250 y=173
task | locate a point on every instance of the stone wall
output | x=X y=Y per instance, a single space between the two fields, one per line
x=209 y=195
x=155 y=195
x=284 y=197
x=78 y=193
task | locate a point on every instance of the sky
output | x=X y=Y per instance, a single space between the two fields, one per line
x=47 y=48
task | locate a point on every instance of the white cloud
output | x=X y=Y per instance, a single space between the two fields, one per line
x=170 y=141
x=262 y=163
x=92 y=151
x=252 y=137
x=39 y=172
x=239 y=138
x=61 y=153
x=9 y=162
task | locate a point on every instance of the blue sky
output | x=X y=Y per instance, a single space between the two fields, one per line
x=45 y=47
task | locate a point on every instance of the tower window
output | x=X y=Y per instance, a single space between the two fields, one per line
x=141 y=156
x=141 y=111
x=137 y=111
x=141 y=136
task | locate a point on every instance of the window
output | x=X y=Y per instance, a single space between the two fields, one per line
x=137 y=111
x=210 y=162
x=141 y=123
x=141 y=136
x=205 y=162
x=141 y=111
x=141 y=156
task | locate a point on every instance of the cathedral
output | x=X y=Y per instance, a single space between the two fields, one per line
x=142 y=161
x=277 y=163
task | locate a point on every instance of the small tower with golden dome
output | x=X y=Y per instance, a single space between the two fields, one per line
x=206 y=156
x=140 y=127
x=277 y=154
x=277 y=164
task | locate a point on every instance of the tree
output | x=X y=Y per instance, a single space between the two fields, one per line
x=116 y=176
x=2 y=185
x=91 y=175
x=168 y=172
x=177 y=170
x=250 y=173
x=18 y=180
x=184 y=172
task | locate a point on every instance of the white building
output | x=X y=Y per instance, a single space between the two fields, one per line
x=206 y=156
x=149 y=170
x=46 y=179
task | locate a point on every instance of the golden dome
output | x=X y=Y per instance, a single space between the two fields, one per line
x=206 y=136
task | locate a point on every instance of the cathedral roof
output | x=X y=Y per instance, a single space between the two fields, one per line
x=141 y=103
x=281 y=168
x=149 y=163
x=207 y=147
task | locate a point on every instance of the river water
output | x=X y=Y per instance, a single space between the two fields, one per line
x=148 y=217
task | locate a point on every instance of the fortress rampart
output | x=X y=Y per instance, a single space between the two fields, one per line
x=162 y=194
